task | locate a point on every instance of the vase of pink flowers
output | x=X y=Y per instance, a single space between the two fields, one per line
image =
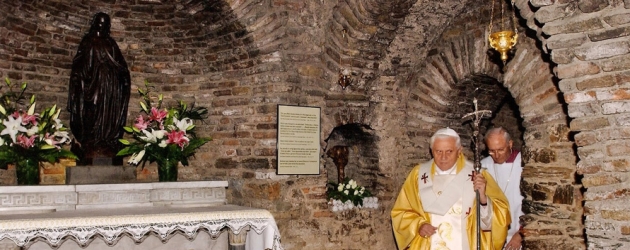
x=27 y=137
x=163 y=135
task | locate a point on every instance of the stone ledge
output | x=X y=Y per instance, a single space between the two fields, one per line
x=74 y=197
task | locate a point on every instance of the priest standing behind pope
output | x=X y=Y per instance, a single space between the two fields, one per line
x=436 y=207
x=504 y=164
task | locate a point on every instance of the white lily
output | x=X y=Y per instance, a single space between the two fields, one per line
x=56 y=116
x=58 y=124
x=31 y=110
x=153 y=136
x=12 y=127
x=184 y=124
x=130 y=161
x=31 y=131
x=135 y=158
x=148 y=136
x=63 y=136
x=163 y=144
x=159 y=134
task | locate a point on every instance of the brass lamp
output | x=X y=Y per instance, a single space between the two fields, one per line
x=504 y=40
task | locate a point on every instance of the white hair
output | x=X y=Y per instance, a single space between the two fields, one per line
x=498 y=131
x=446 y=133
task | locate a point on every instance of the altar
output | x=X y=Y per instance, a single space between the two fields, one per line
x=132 y=216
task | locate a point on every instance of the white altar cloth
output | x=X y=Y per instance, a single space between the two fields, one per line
x=137 y=222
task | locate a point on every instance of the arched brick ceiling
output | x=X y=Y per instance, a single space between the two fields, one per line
x=391 y=37
x=423 y=25
x=385 y=35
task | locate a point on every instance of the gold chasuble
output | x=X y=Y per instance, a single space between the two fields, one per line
x=409 y=214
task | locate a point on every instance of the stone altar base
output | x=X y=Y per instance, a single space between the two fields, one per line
x=48 y=199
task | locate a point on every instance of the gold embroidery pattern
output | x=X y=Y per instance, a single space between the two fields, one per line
x=445 y=230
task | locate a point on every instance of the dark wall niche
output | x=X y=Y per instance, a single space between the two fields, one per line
x=356 y=142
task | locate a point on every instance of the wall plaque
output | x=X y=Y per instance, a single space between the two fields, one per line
x=298 y=143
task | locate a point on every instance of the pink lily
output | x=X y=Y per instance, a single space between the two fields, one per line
x=179 y=138
x=26 y=118
x=157 y=115
x=32 y=119
x=26 y=142
x=141 y=124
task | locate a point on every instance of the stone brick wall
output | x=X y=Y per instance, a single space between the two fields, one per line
x=415 y=66
x=588 y=43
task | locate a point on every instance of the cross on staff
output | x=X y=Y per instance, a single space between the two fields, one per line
x=476 y=117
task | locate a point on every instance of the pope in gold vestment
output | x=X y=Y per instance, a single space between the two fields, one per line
x=408 y=213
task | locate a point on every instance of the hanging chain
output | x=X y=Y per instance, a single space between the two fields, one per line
x=502 y=17
x=514 y=17
x=343 y=38
x=491 y=19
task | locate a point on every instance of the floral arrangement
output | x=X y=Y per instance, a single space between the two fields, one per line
x=163 y=134
x=30 y=135
x=348 y=190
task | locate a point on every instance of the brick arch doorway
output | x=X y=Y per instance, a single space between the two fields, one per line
x=550 y=183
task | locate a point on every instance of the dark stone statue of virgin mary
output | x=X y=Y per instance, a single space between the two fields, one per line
x=98 y=96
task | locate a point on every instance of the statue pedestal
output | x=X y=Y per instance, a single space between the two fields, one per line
x=101 y=174
x=100 y=161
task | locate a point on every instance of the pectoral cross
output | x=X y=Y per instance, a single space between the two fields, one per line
x=424 y=177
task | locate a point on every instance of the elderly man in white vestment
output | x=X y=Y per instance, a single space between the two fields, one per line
x=504 y=164
x=436 y=207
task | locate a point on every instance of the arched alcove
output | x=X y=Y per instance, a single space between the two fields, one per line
x=358 y=143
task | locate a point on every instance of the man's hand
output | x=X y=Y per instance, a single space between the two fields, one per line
x=515 y=242
x=479 y=183
x=426 y=230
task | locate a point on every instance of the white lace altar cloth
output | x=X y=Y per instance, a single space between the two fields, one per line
x=138 y=222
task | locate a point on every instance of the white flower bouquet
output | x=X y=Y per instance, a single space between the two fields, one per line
x=348 y=194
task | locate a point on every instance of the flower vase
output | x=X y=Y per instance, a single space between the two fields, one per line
x=27 y=171
x=167 y=170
